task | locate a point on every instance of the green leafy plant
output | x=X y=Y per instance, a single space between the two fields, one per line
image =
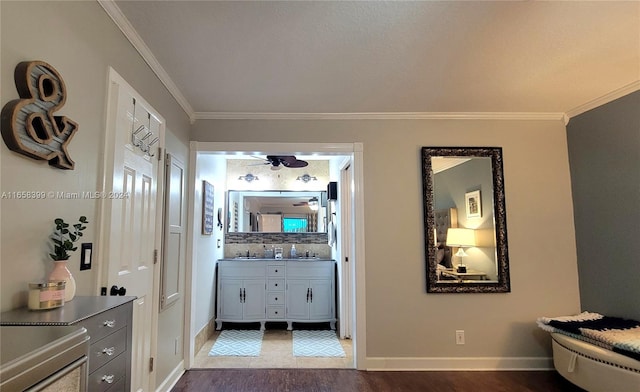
x=65 y=236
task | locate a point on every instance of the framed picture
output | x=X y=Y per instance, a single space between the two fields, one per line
x=473 y=204
x=207 y=208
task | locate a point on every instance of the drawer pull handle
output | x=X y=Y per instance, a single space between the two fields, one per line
x=109 y=351
x=108 y=379
x=110 y=323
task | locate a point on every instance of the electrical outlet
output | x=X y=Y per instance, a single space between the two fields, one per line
x=459 y=337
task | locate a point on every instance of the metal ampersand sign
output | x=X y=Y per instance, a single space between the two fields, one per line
x=28 y=124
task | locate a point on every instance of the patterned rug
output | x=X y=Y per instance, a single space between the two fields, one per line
x=316 y=344
x=238 y=343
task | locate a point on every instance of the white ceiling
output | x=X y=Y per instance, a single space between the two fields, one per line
x=235 y=59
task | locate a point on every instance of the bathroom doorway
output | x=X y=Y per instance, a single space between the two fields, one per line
x=350 y=292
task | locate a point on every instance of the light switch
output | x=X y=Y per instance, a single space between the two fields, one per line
x=85 y=256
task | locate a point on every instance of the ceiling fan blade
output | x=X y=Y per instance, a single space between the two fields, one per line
x=297 y=163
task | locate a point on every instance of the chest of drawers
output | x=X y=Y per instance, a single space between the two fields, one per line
x=108 y=324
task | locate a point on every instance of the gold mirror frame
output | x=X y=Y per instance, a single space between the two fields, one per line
x=502 y=285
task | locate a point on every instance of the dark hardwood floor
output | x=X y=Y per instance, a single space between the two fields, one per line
x=338 y=380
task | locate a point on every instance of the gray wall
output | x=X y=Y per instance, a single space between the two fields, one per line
x=80 y=40
x=540 y=223
x=604 y=155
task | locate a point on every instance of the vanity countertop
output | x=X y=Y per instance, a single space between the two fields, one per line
x=306 y=259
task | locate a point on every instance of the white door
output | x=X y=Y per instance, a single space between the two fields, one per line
x=128 y=214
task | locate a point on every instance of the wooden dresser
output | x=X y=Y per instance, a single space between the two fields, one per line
x=108 y=323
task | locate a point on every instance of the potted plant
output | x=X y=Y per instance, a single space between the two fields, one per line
x=64 y=238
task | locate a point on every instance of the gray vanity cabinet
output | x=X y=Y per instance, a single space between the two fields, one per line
x=310 y=294
x=241 y=292
x=275 y=290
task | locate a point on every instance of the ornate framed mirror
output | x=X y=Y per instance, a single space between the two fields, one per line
x=465 y=224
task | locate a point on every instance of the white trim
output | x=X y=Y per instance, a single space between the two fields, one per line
x=192 y=250
x=360 y=330
x=172 y=378
x=460 y=364
x=132 y=35
x=544 y=116
x=612 y=96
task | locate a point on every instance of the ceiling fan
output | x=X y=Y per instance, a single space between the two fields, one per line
x=279 y=161
x=312 y=203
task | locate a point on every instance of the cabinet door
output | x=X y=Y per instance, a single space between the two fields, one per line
x=321 y=302
x=230 y=299
x=297 y=299
x=254 y=299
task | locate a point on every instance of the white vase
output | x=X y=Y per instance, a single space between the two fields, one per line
x=61 y=272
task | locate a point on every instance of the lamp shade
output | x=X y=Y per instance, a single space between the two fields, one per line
x=461 y=237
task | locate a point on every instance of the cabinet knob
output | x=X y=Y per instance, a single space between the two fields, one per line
x=108 y=379
x=109 y=323
x=276 y=312
x=275 y=284
x=109 y=351
x=276 y=298
x=276 y=270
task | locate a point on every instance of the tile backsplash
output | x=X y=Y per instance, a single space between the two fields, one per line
x=256 y=243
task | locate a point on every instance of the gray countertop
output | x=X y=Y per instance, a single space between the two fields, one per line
x=74 y=311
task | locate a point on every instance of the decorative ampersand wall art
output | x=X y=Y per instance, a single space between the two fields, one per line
x=28 y=124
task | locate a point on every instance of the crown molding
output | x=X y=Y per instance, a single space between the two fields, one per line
x=550 y=116
x=132 y=35
x=612 y=96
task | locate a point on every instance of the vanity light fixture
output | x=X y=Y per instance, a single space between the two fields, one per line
x=313 y=204
x=461 y=238
x=306 y=178
x=248 y=177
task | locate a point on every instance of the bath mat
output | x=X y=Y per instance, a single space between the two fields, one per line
x=238 y=343
x=316 y=344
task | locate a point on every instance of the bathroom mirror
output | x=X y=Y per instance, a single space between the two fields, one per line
x=465 y=225
x=276 y=211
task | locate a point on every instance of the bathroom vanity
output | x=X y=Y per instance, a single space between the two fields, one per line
x=286 y=290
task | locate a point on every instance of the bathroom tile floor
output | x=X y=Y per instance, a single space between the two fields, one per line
x=277 y=352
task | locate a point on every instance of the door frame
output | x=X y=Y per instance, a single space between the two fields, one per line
x=356 y=152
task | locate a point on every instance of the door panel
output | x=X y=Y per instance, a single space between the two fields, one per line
x=320 y=305
x=297 y=304
x=254 y=299
x=173 y=233
x=231 y=299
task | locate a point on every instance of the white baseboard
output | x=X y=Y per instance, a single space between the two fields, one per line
x=172 y=378
x=466 y=364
